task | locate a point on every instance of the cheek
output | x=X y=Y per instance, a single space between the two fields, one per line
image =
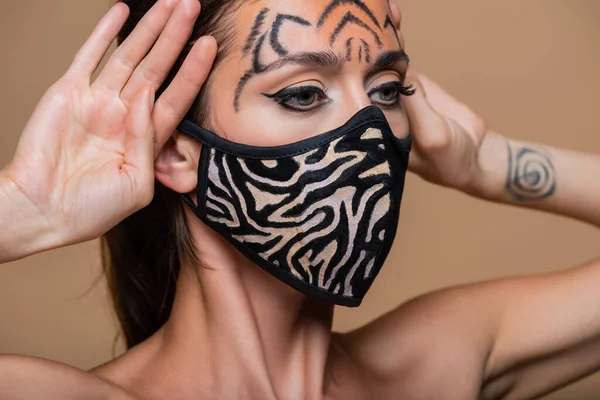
x=260 y=124
x=264 y=125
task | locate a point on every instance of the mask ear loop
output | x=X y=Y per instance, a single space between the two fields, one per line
x=200 y=209
x=188 y=199
x=405 y=144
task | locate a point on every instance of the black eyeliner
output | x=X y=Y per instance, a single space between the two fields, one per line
x=291 y=91
x=285 y=94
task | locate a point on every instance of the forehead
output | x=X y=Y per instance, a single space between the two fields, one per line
x=310 y=24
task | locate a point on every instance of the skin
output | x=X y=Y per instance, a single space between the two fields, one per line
x=236 y=332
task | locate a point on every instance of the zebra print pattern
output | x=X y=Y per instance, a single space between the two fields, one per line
x=322 y=216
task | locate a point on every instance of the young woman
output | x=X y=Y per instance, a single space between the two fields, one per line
x=242 y=205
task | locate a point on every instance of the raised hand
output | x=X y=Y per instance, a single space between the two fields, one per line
x=85 y=159
x=447 y=135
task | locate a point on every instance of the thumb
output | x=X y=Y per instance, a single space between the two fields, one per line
x=427 y=127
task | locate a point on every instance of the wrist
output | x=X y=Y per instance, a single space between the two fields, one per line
x=25 y=230
x=489 y=176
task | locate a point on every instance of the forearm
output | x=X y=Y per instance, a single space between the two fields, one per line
x=23 y=230
x=530 y=175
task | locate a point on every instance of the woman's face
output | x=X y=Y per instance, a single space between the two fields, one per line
x=301 y=68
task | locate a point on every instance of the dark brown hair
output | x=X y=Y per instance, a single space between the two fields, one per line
x=142 y=255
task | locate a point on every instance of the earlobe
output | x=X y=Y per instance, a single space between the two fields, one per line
x=176 y=166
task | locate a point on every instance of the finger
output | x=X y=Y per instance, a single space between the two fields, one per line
x=440 y=100
x=448 y=106
x=95 y=47
x=397 y=18
x=396 y=14
x=177 y=99
x=139 y=146
x=426 y=125
x=156 y=66
x=129 y=54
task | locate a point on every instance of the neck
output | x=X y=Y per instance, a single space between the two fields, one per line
x=234 y=323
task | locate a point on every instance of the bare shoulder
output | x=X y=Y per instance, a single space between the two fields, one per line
x=417 y=345
x=23 y=377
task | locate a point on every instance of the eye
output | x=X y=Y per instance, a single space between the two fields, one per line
x=300 y=98
x=388 y=94
x=305 y=99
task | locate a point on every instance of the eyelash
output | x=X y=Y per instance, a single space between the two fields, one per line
x=398 y=87
x=284 y=96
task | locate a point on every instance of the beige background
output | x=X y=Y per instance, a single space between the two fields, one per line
x=529 y=67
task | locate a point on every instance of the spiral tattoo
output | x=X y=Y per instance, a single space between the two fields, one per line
x=531 y=174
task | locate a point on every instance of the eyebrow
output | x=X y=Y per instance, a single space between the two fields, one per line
x=332 y=60
x=389 y=58
x=320 y=59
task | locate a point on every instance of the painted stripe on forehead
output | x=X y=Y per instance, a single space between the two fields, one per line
x=279 y=20
x=349 y=49
x=390 y=23
x=255 y=32
x=337 y=3
x=320 y=59
x=256 y=65
x=350 y=18
x=367 y=51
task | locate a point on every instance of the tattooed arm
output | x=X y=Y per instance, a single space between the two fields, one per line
x=532 y=175
x=454 y=148
x=478 y=161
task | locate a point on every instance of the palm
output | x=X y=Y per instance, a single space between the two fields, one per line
x=85 y=159
x=81 y=149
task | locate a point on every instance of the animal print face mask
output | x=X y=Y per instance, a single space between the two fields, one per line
x=319 y=214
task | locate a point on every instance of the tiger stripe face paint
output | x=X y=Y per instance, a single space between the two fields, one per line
x=319 y=214
x=352 y=24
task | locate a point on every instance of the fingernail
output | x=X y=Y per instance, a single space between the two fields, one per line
x=205 y=42
x=207 y=39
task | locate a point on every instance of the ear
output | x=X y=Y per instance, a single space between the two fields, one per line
x=176 y=166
